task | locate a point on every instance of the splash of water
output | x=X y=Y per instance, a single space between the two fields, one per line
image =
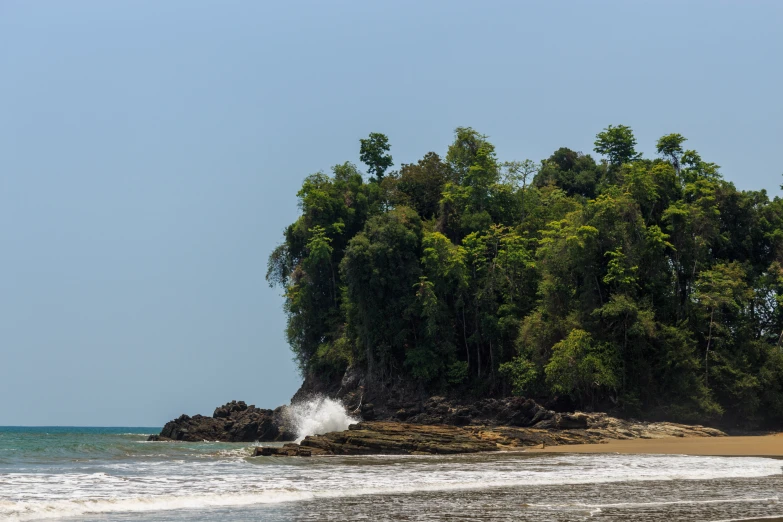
x=317 y=416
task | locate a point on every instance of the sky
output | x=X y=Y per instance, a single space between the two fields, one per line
x=150 y=155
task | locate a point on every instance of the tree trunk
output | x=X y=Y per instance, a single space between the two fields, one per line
x=625 y=349
x=707 y=353
x=334 y=283
x=478 y=346
x=598 y=286
x=491 y=365
x=370 y=368
x=465 y=339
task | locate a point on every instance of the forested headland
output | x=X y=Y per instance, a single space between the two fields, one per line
x=649 y=287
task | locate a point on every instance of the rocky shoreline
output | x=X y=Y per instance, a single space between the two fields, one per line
x=399 y=438
x=436 y=426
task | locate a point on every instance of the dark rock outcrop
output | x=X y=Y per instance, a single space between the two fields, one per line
x=509 y=411
x=232 y=422
x=394 y=438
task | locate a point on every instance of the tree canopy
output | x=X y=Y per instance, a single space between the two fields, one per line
x=374 y=153
x=647 y=286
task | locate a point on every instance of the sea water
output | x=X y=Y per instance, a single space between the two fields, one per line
x=113 y=474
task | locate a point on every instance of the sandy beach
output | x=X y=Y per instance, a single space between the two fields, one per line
x=746 y=446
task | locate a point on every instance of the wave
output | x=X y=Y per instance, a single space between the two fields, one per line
x=161 y=486
x=38 y=510
x=318 y=416
x=28 y=511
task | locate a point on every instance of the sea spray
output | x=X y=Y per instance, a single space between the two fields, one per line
x=317 y=416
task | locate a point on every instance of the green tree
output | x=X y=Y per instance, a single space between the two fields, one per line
x=574 y=172
x=670 y=147
x=421 y=184
x=463 y=152
x=521 y=373
x=380 y=270
x=616 y=143
x=581 y=368
x=719 y=290
x=374 y=153
x=648 y=286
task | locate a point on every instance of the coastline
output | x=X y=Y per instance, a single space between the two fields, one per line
x=732 y=446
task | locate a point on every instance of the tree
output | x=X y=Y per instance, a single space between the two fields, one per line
x=617 y=143
x=581 y=368
x=421 y=184
x=521 y=374
x=373 y=153
x=650 y=286
x=380 y=270
x=516 y=173
x=717 y=290
x=574 y=172
x=670 y=147
x=463 y=152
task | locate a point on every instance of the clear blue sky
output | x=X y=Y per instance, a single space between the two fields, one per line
x=150 y=153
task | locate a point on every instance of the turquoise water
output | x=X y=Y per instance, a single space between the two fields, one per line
x=44 y=445
x=113 y=474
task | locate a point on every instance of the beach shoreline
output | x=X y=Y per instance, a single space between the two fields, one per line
x=731 y=446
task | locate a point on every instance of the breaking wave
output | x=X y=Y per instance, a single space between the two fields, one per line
x=319 y=415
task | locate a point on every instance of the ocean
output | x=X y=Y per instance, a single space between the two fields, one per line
x=113 y=474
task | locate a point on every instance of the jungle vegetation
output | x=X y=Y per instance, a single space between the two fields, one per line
x=651 y=287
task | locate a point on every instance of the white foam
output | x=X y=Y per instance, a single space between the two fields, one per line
x=198 y=484
x=318 y=416
x=24 y=511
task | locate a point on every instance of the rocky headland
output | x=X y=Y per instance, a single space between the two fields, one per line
x=435 y=426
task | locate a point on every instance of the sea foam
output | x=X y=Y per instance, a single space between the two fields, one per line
x=319 y=415
x=195 y=484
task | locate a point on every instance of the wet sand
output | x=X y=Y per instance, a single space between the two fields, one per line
x=748 y=446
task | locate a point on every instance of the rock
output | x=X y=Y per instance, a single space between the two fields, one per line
x=426 y=418
x=227 y=409
x=368 y=412
x=571 y=421
x=403 y=414
x=233 y=422
x=289 y=450
x=458 y=420
x=352 y=379
x=397 y=438
x=368 y=438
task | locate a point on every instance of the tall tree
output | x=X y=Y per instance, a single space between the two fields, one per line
x=718 y=291
x=374 y=153
x=616 y=143
x=574 y=172
x=670 y=147
x=421 y=184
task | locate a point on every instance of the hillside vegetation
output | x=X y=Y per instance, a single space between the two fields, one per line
x=651 y=287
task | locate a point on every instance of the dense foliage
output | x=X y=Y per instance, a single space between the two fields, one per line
x=647 y=286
